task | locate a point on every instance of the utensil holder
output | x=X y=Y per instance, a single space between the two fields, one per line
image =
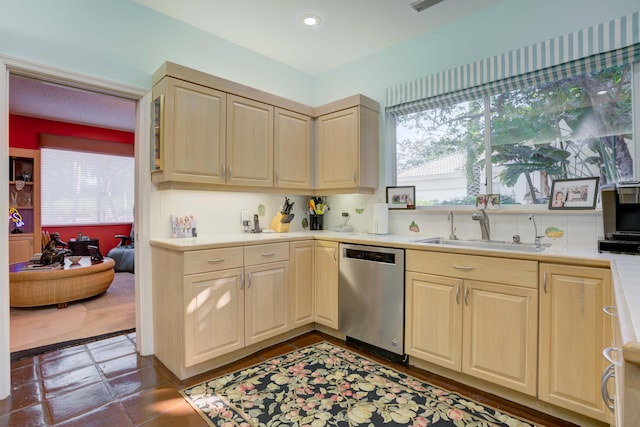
x=315 y=222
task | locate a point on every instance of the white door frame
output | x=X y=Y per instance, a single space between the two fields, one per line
x=144 y=315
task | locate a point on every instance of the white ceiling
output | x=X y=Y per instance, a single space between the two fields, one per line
x=349 y=30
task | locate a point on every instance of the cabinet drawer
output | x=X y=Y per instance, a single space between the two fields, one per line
x=261 y=254
x=489 y=269
x=212 y=260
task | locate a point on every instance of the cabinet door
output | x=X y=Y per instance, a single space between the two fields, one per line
x=20 y=248
x=292 y=149
x=302 y=283
x=195 y=133
x=266 y=301
x=327 y=275
x=433 y=319
x=214 y=314
x=338 y=149
x=500 y=325
x=573 y=332
x=249 y=142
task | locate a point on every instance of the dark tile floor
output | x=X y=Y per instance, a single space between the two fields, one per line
x=105 y=383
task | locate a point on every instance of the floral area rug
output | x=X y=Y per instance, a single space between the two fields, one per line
x=326 y=385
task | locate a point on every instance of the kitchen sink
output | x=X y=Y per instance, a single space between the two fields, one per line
x=485 y=244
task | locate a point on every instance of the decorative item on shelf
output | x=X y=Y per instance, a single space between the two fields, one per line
x=16 y=218
x=401 y=197
x=26 y=176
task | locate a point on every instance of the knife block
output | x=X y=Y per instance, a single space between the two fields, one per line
x=277 y=225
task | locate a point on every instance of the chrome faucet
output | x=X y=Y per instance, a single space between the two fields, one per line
x=483 y=218
x=452 y=230
x=535 y=229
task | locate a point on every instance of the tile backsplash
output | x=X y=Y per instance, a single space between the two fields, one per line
x=219 y=212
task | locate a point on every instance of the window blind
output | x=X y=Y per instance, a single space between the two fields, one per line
x=616 y=42
x=81 y=188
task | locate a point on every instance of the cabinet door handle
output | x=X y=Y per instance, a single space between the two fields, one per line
x=466 y=295
x=544 y=282
x=355 y=173
x=266 y=254
x=458 y=294
x=230 y=172
x=609 y=401
x=214 y=261
x=610 y=310
x=463 y=267
x=277 y=177
x=241 y=280
x=224 y=170
x=249 y=277
x=334 y=254
x=607 y=355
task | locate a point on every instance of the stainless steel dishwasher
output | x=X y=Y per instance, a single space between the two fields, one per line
x=371 y=297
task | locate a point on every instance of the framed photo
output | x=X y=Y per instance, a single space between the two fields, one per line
x=401 y=197
x=157 y=133
x=578 y=193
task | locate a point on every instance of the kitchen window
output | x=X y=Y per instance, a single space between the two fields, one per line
x=515 y=142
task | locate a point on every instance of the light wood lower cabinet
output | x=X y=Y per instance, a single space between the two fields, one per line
x=302 y=274
x=21 y=247
x=485 y=329
x=573 y=332
x=208 y=303
x=214 y=315
x=327 y=276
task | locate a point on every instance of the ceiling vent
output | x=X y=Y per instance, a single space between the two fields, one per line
x=420 y=5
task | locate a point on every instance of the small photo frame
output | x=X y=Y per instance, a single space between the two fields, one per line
x=157 y=133
x=577 y=193
x=401 y=197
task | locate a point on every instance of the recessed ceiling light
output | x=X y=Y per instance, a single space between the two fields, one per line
x=311 y=20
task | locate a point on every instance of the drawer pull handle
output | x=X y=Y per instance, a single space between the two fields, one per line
x=463 y=267
x=214 y=261
x=268 y=254
x=610 y=310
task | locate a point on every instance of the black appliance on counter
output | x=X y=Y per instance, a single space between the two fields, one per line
x=621 y=218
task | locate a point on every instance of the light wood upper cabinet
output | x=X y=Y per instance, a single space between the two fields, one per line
x=292 y=150
x=249 y=142
x=485 y=329
x=327 y=276
x=573 y=332
x=302 y=273
x=347 y=149
x=194 y=134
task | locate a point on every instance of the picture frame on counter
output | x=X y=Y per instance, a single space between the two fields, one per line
x=401 y=197
x=575 y=193
x=157 y=134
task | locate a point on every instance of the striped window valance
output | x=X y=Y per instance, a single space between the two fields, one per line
x=612 y=43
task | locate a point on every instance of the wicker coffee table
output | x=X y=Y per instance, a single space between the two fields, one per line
x=61 y=286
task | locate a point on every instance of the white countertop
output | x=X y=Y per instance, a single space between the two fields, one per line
x=625 y=268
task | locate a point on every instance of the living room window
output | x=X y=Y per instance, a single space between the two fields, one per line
x=86 y=188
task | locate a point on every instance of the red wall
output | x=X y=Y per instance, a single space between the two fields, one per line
x=24 y=133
